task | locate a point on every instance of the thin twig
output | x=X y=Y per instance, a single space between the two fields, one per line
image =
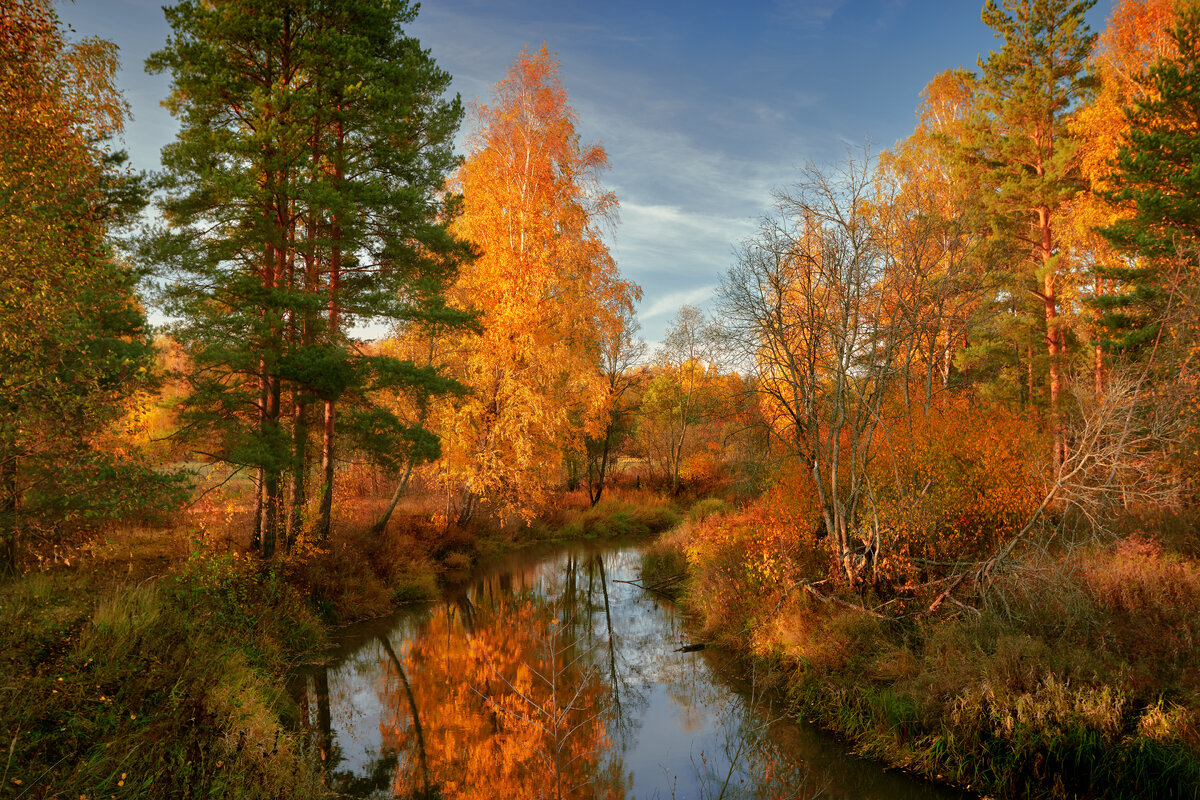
x=11 y=747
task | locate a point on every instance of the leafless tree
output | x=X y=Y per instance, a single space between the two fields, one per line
x=807 y=302
x=678 y=396
x=621 y=351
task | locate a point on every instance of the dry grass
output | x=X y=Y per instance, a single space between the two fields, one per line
x=1077 y=679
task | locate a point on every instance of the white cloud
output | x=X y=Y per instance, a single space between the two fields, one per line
x=670 y=303
x=810 y=16
x=692 y=163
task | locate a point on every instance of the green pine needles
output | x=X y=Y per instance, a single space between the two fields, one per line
x=303 y=198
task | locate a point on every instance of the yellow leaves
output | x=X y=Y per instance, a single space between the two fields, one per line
x=546 y=288
x=964 y=480
x=1135 y=37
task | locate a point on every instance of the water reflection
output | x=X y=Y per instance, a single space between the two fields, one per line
x=554 y=676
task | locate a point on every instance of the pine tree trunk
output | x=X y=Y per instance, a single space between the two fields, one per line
x=423 y=402
x=270 y=515
x=274 y=270
x=1031 y=390
x=256 y=534
x=299 y=467
x=1054 y=337
x=272 y=483
x=324 y=525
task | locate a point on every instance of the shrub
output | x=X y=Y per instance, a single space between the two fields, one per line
x=953 y=482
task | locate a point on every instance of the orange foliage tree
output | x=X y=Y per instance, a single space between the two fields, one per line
x=955 y=480
x=685 y=389
x=930 y=210
x=547 y=290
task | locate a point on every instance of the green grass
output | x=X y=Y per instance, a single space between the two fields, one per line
x=171 y=687
x=665 y=567
x=708 y=507
x=615 y=518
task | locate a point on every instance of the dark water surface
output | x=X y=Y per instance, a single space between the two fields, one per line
x=552 y=676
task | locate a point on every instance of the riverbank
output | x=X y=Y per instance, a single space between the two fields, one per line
x=118 y=683
x=360 y=574
x=1074 y=678
x=151 y=663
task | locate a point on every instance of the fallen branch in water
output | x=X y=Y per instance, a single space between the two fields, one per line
x=660 y=587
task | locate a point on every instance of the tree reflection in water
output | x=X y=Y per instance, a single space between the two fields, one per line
x=503 y=698
x=556 y=680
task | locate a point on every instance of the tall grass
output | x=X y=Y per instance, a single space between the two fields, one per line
x=1076 y=679
x=165 y=688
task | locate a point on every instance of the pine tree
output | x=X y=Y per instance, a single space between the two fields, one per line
x=304 y=197
x=1154 y=175
x=1027 y=90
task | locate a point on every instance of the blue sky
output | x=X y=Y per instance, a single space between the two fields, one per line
x=703 y=107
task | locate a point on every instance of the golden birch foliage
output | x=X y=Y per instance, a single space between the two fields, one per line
x=58 y=98
x=928 y=210
x=71 y=328
x=545 y=284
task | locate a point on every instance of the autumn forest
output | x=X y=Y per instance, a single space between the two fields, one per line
x=921 y=477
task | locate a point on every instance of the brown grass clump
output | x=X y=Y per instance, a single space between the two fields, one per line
x=1149 y=603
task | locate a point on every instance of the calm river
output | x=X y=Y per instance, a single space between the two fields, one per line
x=552 y=676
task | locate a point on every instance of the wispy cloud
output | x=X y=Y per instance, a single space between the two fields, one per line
x=693 y=163
x=670 y=303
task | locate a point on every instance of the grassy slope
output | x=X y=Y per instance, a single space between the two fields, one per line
x=152 y=686
x=1076 y=680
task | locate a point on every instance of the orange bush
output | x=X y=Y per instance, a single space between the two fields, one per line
x=743 y=561
x=953 y=483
